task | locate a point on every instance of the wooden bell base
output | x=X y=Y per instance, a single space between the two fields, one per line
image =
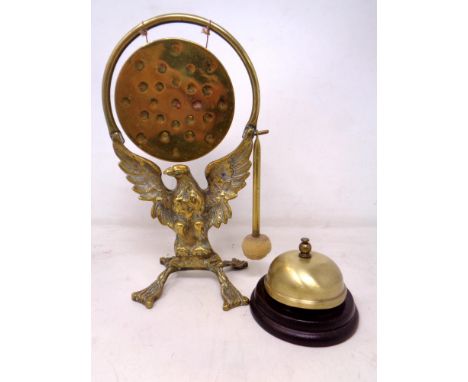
x=304 y=327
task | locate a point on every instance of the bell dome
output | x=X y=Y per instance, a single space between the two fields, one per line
x=305 y=279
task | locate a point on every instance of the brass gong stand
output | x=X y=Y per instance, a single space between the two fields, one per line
x=175 y=101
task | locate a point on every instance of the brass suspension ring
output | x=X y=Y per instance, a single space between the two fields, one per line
x=167 y=19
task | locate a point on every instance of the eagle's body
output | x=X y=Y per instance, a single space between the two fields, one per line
x=188 y=203
x=191 y=211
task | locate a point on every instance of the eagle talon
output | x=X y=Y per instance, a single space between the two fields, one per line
x=231 y=296
x=144 y=297
x=149 y=295
x=202 y=251
x=228 y=305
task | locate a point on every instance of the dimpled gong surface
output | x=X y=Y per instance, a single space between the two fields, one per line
x=174 y=100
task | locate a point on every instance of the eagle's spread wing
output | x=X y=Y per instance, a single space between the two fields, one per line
x=146 y=177
x=226 y=177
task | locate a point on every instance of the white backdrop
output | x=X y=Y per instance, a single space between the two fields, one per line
x=316 y=63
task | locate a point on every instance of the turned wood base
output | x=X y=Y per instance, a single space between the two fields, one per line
x=306 y=327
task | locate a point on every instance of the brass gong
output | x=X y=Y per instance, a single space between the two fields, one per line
x=174 y=99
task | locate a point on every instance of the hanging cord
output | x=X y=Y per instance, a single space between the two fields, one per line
x=144 y=32
x=206 y=30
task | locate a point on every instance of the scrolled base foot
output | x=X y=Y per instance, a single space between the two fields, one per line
x=232 y=298
x=149 y=295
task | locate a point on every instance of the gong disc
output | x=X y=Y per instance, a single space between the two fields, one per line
x=174 y=99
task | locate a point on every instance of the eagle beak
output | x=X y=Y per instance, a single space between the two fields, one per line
x=169 y=171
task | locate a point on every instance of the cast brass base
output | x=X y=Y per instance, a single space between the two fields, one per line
x=231 y=296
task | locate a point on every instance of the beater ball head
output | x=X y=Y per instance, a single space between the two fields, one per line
x=256 y=247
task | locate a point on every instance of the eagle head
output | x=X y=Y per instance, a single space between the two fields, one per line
x=177 y=170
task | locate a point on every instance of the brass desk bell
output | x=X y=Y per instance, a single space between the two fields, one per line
x=175 y=101
x=303 y=299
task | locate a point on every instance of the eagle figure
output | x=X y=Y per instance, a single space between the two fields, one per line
x=190 y=212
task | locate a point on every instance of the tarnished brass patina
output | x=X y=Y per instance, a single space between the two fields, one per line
x=305 y=279
x=174 y=99
x=175 y=80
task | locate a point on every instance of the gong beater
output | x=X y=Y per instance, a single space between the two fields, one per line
x=175 y=101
